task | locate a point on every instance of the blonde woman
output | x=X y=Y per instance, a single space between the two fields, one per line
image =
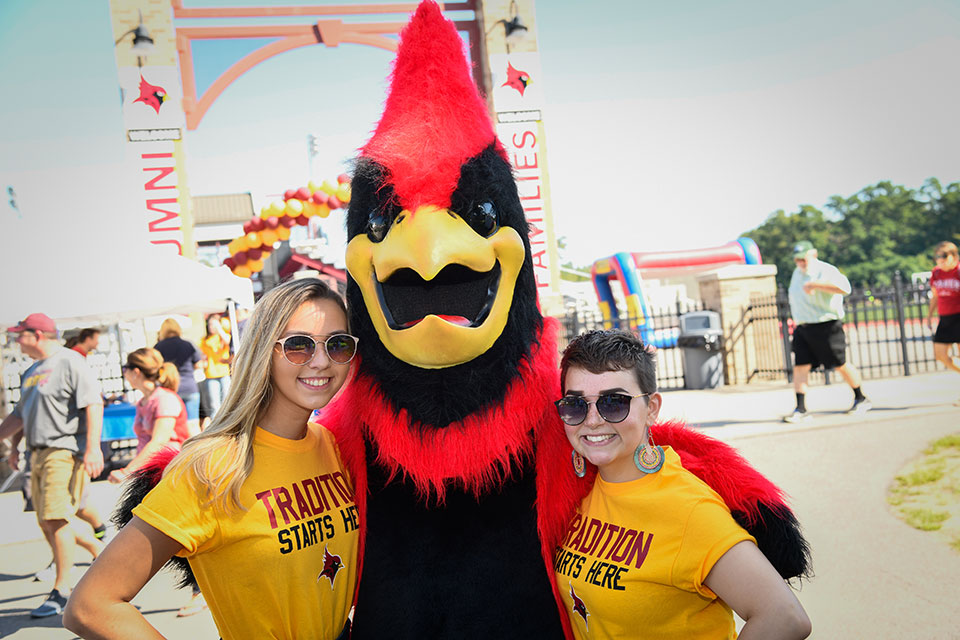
x=258 y=502
x=188 y=360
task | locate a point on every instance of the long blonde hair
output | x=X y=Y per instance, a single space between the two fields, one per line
x=221 y=457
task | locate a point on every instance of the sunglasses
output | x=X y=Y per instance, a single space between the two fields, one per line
x=612 y=407
x=299 y=349
x=940 y=256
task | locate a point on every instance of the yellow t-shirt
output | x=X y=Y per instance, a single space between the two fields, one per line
x=634 y=559
x=215 y=349
x=287 y=566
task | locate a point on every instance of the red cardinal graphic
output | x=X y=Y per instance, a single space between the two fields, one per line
x=516 y=79
x=331 y=565
x=151 y=95
x=579 y=607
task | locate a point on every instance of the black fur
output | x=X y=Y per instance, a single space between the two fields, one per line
x=781 y=540
x=135 y=489
x=437 y=575
x=437 y=397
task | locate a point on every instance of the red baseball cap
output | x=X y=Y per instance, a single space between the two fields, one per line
x=35 y=322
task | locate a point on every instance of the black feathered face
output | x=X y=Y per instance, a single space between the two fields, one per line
x=438 y=283
x=444 y=301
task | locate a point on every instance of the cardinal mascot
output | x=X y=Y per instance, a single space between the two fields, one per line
x=459 y=461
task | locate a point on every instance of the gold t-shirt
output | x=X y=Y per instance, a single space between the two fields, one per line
x=287 y=566
x=634 y=559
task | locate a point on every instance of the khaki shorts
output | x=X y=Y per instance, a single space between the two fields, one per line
x=58 y=480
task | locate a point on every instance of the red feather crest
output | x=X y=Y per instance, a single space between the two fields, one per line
x=434 y=119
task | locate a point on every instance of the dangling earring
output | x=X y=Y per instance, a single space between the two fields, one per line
x=648 y=457
x=579 y=466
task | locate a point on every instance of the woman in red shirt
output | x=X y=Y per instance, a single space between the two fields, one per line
x=945 y=284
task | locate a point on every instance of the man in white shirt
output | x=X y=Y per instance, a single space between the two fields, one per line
x=816 y=304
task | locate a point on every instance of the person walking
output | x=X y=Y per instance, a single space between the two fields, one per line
x=816 y=304
x=187 y=359
x=61 y=414
x=945 y=300
x=215 y=347
x=161 y=418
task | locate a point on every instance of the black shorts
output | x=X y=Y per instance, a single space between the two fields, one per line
x=948 y=329
x=820 y=343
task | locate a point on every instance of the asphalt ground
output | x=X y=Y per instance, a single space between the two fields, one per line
x=875 y=577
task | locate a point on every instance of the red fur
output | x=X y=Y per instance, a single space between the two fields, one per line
x=159 y=461
x=474 y=453
x=721 y=467
x=434 y=119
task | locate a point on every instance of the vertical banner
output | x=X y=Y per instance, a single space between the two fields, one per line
x=153 y=121
x=515 y=92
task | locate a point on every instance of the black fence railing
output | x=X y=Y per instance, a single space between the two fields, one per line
x=660 y=328
x=886 y=328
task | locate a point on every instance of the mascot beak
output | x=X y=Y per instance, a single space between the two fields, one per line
x=438 y=292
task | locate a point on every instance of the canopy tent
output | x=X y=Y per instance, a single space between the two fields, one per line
x=79 y=284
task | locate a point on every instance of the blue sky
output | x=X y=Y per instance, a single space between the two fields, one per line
x=669 y=125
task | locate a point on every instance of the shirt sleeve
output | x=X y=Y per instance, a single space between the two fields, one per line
x=167 y=406
x=87 y=385
x=709 y=533
x=832 y=275
x=195 y=356
x=174 y=508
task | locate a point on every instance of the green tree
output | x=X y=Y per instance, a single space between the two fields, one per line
x=869 y=235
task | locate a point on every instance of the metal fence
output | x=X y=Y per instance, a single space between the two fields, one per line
x=886 y=328
x=660 y=328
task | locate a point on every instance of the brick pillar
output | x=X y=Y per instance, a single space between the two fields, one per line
x=747 y=345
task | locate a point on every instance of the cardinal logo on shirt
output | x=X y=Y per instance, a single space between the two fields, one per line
x=331 y=565
x=579 y=607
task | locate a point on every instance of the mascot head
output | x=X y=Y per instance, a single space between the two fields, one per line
x=441 y=286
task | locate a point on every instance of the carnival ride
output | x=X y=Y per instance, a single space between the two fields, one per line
x=627 y=268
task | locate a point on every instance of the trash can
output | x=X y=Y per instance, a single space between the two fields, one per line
x=701 y=339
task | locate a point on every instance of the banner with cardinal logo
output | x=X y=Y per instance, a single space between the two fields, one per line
x=153 y=120
x=517 y=97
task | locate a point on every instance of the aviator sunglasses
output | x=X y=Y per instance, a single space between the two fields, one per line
x=612 y=407
x=300 y=349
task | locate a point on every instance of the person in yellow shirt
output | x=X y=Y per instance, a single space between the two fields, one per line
x=259 y=503
x=652 y=551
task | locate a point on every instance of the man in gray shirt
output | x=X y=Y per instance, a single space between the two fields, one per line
x=816 y=304
x=61 y=414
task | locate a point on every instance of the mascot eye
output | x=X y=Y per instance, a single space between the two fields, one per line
x=378 y=224
x=483 y=218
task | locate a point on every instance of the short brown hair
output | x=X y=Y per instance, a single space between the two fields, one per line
x=605 y=350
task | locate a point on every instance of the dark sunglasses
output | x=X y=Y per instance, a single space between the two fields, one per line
x=299 y=349
x=940 y=256
x=612 y=407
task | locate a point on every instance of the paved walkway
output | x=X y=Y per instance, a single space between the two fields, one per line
x=876 y=578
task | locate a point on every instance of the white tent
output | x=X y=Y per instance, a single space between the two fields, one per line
x=81 y=285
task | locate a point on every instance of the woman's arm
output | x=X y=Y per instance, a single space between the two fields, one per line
x=748 y=583
x=933 y=303
x=163 y=430
x=99 y=606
